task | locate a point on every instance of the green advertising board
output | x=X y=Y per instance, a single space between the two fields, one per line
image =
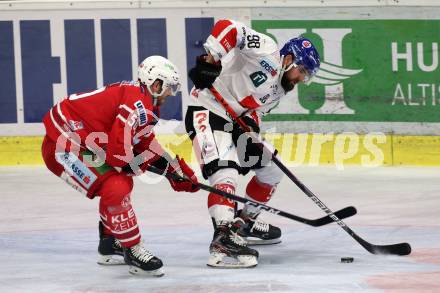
x=371 y=70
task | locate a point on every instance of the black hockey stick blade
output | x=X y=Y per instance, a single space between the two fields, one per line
x=341 y=214
x=396 y=249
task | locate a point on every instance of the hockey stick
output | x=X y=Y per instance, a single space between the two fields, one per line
x=397 y=249
x=342 y=214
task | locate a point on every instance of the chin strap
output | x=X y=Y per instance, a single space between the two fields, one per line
x=284 y=68
x=153 y=95
x=154 y=101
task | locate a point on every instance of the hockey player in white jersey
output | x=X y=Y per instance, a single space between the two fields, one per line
x=251 y=73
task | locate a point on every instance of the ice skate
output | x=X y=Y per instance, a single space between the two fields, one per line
x=109 y=249
x=258 y=232
x=142 y=262
x=229 y=250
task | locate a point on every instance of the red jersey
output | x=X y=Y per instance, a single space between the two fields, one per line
x=117 y=118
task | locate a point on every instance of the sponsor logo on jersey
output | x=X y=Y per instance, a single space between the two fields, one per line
x=142 y=114
x=274 y=88
x=258 y=78
x=76 y=125
x=224 y=42
x=268 y=67
x=243 y=39
x=75 y=185
x=264 y=99
x=75 y=168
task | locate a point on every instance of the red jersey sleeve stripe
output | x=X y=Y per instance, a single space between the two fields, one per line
x=125 y=111
x=249 y=102
x=219 y=27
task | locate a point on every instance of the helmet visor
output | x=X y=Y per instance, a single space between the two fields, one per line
x=307 y=76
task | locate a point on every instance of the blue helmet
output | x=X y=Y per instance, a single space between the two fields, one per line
x=305 y=54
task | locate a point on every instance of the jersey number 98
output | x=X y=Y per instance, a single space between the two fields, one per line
x=253 y=41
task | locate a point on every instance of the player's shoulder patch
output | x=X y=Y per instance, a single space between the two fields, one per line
x=141 y=112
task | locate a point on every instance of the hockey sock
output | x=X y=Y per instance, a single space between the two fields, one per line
x=258 y=191
x=117 y=214
x=121 y=222
x=221 y=209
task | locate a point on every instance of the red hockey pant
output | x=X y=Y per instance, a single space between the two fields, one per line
x=113 y=188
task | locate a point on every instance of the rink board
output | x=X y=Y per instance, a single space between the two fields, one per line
x=295 y=149
x=398 y=96
x=396 y=92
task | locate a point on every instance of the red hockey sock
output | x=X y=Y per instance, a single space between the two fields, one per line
x=117 y=214
x=214 y=198
x=120 y=221
x=220 y=208
x=259 y=191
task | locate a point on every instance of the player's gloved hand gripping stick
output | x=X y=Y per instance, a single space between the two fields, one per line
x=184 y=179
x=398 y=249
x=180 y=183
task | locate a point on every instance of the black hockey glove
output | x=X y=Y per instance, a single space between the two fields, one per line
x=204 y=73
x=140 y=166
x=250 y=123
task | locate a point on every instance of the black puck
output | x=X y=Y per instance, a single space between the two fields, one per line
x=347 y=259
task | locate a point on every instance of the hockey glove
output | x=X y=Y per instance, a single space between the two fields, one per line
x=135 y=167
x=204 y=73
x=188 y=183
x=250 y=123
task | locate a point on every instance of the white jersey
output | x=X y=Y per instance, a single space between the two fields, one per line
x=250 y=78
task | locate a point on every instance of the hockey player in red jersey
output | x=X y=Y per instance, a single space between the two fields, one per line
x=252 y=74
x=96 y=142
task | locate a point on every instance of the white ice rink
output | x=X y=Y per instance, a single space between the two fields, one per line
x=49 y=236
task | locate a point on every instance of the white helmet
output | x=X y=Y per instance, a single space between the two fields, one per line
x=158 y=67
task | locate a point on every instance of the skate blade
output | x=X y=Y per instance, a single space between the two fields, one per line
x=258 y=241
x=139 y=272
x=109 y=260
x=221 y=260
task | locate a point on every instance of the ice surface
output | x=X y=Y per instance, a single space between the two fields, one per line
x=49 y=236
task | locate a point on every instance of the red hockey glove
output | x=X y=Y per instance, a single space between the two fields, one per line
x=179 y=167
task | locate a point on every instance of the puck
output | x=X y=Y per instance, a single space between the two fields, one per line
x=347 y=259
